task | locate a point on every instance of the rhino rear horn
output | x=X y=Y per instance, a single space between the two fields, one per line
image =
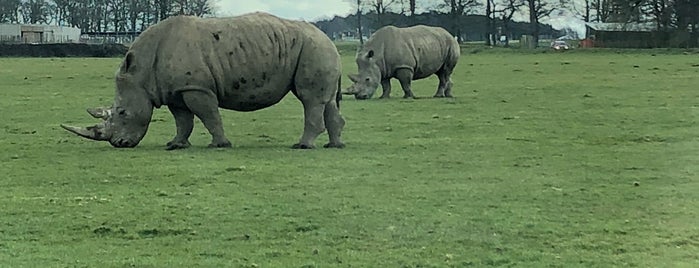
x=96 y=132
x=353 y=77
x=100 y=112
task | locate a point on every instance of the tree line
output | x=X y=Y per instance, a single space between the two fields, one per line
x=100 y=15
x=137 y=15
x=666 y=14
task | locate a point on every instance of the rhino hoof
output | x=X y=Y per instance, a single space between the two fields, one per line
x=301 y=146
x=334 y=145
x=177 y=145
x=224 y=144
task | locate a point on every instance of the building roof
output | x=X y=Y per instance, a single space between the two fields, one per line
x=623 y=26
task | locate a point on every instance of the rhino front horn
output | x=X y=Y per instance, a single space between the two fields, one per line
x=100 y=112
x=94 y=132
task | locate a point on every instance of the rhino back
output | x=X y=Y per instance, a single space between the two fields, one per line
x=423 y=49
x=248 y=62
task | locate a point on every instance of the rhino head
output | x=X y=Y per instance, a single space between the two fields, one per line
x=126 y=121
x=367 y=81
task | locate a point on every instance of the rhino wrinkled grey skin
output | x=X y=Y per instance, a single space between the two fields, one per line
x=406 y=54
x=245 y=63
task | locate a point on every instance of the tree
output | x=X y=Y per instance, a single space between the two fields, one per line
x=662 y=12
x=580 y=8
x=490 y=25
x=380 y=7
x=9 y=11
x=456 y=10
x=359 y=6
x=36 y=11
x=198 y=8
x=537 y=9
x=508 y=10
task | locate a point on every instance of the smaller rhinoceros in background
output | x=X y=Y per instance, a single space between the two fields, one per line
x=405 y=54
x=246 y=63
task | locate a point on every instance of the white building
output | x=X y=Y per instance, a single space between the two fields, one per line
x=33 y=33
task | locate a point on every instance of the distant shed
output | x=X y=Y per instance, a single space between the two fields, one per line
x=635 y=35
x=38 y=34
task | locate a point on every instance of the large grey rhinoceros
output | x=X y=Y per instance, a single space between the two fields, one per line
x=245 y=63
x=406 y=54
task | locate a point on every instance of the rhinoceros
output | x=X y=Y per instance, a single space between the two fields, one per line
x=406 y=54
x=245 y=63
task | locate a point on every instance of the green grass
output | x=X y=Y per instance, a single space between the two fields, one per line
x=541 y=160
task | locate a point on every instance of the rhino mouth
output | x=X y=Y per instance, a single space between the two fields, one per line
x=123 y=143
x=361 y=96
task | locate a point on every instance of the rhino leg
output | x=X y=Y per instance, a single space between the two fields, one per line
x=184 y=120
x=444 y=89
x=313 y=124
x=205 y=107
x=386 y=86
x=334 y=123
x=405 y=76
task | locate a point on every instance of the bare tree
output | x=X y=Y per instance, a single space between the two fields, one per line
x=490 y=25
x=359 y=5
x=193 y=7
x=602 y=10
x=380 y=7
x=580 y=8
x=36 y=11
x=508 y=10
x=538 y=9
x=9 y=11
x=662 y=12
x=456 y=10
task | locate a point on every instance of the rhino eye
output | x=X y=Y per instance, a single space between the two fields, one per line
x=368 y=79
x=121 y=111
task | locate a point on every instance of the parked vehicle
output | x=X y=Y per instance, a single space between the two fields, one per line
x=559 y=45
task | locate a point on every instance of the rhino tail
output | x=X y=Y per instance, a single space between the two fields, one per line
x=338 y=94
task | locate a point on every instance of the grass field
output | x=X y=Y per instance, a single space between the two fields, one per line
x=542 y=160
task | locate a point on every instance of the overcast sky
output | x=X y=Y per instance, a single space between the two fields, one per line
x=312 y=10
x=309 y=10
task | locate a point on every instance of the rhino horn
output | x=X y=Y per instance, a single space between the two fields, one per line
x=349 y=91
x=95 y=132
x=100 y=112
x=353 y=77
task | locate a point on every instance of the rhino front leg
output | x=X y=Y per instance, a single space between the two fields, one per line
x=313 y=125
x=184 y=120
x=334 y=124
x=386 y=86
x=205 y=106
x=405 y=76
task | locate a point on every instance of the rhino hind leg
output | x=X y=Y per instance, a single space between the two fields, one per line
x=334 y=123
x=205 y=107
x=405 y=76
x=184 y=120
x=445 y=84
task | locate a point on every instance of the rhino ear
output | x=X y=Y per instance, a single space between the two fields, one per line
x=353 y=77
x=370 y=54
x=127 y=65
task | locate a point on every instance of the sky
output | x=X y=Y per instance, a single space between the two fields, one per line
x=308 y=10
x=312 y=10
